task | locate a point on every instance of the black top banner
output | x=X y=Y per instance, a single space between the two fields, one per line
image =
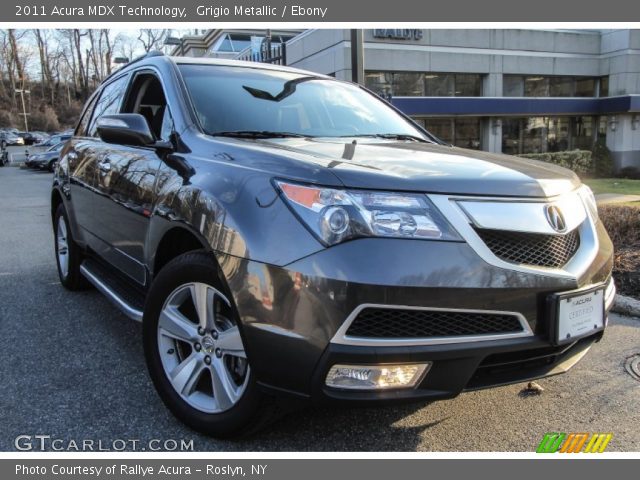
x=320 y=11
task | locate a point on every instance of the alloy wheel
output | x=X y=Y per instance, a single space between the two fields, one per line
x=201 y=348
x=63 y=247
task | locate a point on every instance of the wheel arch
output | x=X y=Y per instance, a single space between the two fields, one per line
x=56 y=201
x=175 y=241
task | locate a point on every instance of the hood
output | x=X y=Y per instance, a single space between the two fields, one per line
x=422 y=167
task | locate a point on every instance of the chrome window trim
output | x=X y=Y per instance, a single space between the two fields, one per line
x=450 y=206
x=341 y=337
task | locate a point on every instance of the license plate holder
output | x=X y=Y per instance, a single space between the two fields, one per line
x=577 y=314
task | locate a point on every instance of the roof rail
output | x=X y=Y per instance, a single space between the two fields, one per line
x=151 y=54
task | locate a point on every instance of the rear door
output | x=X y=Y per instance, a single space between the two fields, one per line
x=84 y=157
x=127 y=180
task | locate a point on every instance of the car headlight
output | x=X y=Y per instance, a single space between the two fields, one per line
x=335 y=215
x=589 y=200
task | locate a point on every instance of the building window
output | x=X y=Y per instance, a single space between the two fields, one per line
x=546 y=134
x=536 y=87
x=604 y=87
x=467 y=132
x=379 y=82
x=582 y=133
x=408 y=84
x=418 y=84
x=468 y=85
x=440 y=127
x=439 y=85
x=561 y=86
x=462 y=132
x=602 y=125
x=585 y=87
x=512 y=86
x=541 y=86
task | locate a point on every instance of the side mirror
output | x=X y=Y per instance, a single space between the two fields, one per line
x=125 y=129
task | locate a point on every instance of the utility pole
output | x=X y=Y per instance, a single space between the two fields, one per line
x=24 y=108
x=357 y=57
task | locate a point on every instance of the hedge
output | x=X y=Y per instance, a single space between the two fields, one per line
x=580 y=161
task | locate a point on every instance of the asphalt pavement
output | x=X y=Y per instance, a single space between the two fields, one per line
x=72 y=367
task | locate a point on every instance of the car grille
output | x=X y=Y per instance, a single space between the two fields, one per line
x=396 y=323
x=537 y=249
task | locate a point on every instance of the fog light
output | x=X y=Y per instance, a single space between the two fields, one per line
x=376 y=377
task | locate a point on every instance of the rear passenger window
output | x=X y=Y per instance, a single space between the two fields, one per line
x=109 y=102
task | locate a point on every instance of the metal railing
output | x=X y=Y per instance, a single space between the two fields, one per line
x=274 y=54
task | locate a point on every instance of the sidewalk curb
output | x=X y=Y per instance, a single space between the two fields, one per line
x=626 y=306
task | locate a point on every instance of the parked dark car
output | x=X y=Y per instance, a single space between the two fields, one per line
x=45 y=160
x=8 y=138
x=282 y=233
x=31 y=138
x=48 y=143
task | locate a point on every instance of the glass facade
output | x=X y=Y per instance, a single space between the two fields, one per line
x=547 y=134
x=462 y=132
x=541 y=86
x=418 y=84
x=520 y=135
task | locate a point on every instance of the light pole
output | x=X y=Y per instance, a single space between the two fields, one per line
x=357 y=56
x=175 y=41
x=24 y=108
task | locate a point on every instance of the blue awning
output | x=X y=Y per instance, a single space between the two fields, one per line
x=516 y=106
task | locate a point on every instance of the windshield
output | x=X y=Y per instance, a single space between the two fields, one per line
x=57 y=147
x=239 y=99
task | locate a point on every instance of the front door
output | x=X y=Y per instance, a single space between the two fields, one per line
x=127 y=181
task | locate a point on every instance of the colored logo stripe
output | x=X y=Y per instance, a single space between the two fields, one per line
x=574 y=442
x=598 y=443
x=551 y=442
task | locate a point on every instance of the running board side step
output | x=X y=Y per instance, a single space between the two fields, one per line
x=108 y=285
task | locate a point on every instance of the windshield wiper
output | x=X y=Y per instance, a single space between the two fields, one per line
x=392 y=136
x=257 y=134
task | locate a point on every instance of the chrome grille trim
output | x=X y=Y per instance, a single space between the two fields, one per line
x=341 y=337
x=449 y=206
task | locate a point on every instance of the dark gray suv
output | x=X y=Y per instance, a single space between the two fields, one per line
x=281 y=233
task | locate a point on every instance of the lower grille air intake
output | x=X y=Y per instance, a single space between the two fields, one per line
x=395 y=323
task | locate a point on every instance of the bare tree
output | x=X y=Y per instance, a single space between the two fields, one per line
x=77 y=35
x=43 y=39
x=108 y=52
x=151 y=38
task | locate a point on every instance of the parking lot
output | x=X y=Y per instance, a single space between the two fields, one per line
x=72 y=367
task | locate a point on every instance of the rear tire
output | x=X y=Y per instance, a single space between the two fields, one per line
x=51 y=165
x=68 y=253
x=195 y=352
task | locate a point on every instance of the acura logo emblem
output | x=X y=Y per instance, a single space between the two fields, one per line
x=555 y=218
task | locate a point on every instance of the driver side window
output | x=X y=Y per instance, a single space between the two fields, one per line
x=147 y=98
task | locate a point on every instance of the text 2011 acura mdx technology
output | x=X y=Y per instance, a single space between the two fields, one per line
x=280 y=232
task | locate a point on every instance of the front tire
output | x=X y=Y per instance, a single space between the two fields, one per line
x=68 y=253
x=195 y=353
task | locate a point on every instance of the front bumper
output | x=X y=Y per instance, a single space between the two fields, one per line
x=290 y=315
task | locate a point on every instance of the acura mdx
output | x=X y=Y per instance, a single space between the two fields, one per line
x=281 y=233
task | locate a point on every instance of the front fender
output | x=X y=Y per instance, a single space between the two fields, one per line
x=233 y=211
